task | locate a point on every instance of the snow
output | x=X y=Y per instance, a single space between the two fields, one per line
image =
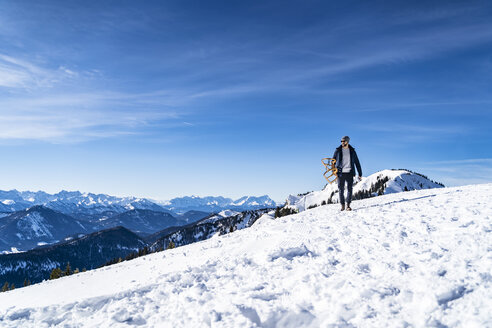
x=13 y=250
x=421 y=258
x=8 y=202
x=220 y=216
x=227 y=213
x=34 y=225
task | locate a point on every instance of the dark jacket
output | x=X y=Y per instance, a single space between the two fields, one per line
x=354 y=161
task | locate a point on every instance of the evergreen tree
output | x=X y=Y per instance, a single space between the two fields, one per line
x=68 y=270
x=76 y=271
x=5 y=287
x=12 y=287
x=171 y=245
x=56 y=273
x=25 y=282
x=277 y=212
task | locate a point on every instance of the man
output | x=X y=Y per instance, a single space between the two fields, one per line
x=347 y=160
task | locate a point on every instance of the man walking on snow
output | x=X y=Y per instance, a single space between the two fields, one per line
x=346 y=159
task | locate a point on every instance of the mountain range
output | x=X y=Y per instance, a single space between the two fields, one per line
x=40 y=226
x=94 y=207
x=216 y=204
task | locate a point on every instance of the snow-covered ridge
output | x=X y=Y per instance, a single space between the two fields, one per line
x=419 y=259
x=380 y=183
x=217 y=204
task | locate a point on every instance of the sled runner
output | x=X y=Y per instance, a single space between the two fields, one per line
x=329 y=164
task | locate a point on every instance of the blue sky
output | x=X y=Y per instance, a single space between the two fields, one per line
x=169 y=98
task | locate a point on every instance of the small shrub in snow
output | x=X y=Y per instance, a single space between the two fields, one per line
x=68 y=270
x=56 y=273
x=284 y=211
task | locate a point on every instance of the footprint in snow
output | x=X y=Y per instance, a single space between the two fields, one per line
x=451 y=295
x=251 y=314
x=290 y=253
x=363 y=268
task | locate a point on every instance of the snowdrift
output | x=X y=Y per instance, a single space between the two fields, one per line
x=420 y=258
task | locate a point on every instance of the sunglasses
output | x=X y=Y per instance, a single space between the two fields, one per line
x=344 y=141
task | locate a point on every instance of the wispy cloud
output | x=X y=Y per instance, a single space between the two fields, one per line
x=460 y=172
x=471 y=161
x=21 y=74
x=78 y=117
x=424 y=104
x=300 y=61
x=413 y=128
x=398 y=48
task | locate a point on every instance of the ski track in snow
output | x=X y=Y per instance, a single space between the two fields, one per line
x=413 y=259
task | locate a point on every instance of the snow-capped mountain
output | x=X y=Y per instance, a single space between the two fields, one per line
x=213 y=204
x=93 y=207
x=411 y=259
x=85 y=252
x=37 y=226
x=250 y=201
x=90 y=205
x=86 y=206
x=380 y=183
x=12 y=201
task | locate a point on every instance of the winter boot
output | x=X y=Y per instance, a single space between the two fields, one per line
x=348 y=207
x=343 y=207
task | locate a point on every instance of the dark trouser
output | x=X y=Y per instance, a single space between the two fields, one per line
x=349 y=178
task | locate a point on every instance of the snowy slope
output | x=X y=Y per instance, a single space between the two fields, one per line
x=382 y=182
x=420 y=258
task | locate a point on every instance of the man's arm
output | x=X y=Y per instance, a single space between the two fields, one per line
x=357 y=164
x=336 y=156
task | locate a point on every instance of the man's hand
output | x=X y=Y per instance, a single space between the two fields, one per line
x=360 y=178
